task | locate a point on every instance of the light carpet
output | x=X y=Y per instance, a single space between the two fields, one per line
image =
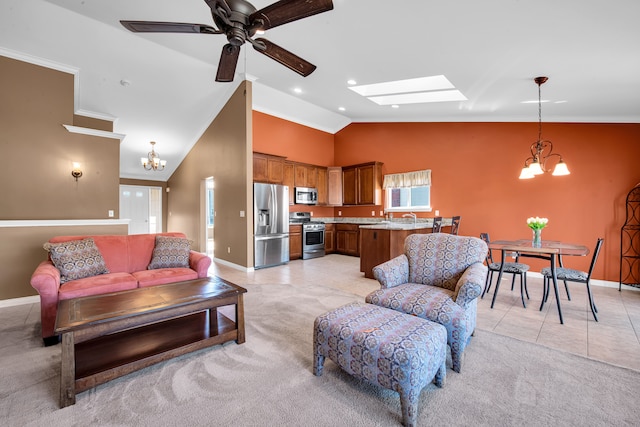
x=268 y=381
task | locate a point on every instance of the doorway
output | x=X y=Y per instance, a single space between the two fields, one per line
x=143 y=206
x=208 y=215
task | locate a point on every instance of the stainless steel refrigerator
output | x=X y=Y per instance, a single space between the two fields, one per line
x=270 y=224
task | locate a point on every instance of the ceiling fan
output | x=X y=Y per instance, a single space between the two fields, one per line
x=240 y=21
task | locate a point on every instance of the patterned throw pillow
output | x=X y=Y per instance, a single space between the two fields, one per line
x=170 y=252
x=76 y=259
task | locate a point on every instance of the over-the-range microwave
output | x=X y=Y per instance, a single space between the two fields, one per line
x=306 y=196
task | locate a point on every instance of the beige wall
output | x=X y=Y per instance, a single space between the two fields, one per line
x=224 y=153
x=37 y=151
x=35 y=179
x=21 y=251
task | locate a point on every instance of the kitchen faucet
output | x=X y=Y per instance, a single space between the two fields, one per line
x=411 y=215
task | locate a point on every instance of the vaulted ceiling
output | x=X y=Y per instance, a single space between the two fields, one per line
x=161 y=87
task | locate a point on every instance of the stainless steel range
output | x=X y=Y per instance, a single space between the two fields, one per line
x=312 y=234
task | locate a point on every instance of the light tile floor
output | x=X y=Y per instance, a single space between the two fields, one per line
x=615 y=338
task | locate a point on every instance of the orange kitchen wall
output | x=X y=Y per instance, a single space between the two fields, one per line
x=297 y=143
x=475 y=168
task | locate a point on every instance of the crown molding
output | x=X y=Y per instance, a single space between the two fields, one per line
x=94 y=132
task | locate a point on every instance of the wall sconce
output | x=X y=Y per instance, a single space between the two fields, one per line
x=76 y=172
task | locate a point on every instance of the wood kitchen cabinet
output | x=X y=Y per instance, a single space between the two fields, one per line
x=348 y=239
x=322 y=186
x=381 y=245
x=268 y=168
x=334 y=184
x=329 y=238
x=362 y=184
x=305 y=175
x=295 y=241
x=288 y=179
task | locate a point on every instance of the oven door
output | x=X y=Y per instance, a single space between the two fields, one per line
x=312 y=243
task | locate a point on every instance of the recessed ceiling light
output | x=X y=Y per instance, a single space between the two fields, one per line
x=351 y=82
x=395 y=106
x=297 y=90
x=342 y=109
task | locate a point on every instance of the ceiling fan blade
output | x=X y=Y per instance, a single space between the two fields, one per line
x=168 y=27
x=228 y=62
x=285 y=11
x=286 y=58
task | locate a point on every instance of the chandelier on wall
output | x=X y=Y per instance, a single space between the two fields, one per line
x=542 y=150
x=153 y=161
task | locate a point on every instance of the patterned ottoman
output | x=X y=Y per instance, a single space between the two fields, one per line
x=385 y=347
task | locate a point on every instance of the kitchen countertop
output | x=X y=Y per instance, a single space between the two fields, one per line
x=381 y=224
x=398 y=225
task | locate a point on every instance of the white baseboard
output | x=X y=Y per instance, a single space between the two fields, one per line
x=234 y=266
x=594 y=282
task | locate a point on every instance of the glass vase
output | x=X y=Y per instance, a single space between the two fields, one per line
x=537 y=238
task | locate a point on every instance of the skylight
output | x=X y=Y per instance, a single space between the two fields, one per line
x=411 y=91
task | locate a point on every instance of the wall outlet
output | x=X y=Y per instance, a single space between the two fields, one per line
x=228 y=249
x=241 y=214
x=111 y=213
x=310 y=213
x=437 y=212
x=339 y=213
x=381 y=213
x=373 y=213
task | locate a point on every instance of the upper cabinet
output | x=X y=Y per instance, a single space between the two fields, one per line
x=288 y=179
x=362 y=184
x=268 y=168
x=322 y=185
x=334 y=184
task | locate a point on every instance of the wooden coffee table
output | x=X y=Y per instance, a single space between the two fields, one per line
x=107 y=336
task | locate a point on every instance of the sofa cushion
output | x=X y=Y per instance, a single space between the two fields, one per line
x=97 y=285
x=163 y=276
x=76 y=259
x=170 y=252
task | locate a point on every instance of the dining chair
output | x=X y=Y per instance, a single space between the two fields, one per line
x=571 y=275
x=455 y=224
x=437 y=224
x=515 y=268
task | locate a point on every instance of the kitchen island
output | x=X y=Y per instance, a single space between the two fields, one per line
x=385 y=240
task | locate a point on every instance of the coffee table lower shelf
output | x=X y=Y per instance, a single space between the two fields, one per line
x=110 y=335
x=111 y=356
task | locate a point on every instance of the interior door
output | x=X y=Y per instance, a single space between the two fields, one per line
x=143 y=206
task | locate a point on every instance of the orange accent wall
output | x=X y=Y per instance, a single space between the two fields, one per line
x=298 y=143
x=475 y=168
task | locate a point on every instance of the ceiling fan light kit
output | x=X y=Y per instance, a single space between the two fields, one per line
x=542 y=150
x=240 y=22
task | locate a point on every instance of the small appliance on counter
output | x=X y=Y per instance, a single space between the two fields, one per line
x=306 y=196
x=270 y=225
x=312 y=234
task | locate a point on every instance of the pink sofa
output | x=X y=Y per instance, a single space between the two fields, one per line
x=126 y=257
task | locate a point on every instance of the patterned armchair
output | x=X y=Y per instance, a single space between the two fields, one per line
x=438 y=278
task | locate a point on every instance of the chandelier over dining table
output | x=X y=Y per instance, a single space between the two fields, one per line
x=542 y=149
